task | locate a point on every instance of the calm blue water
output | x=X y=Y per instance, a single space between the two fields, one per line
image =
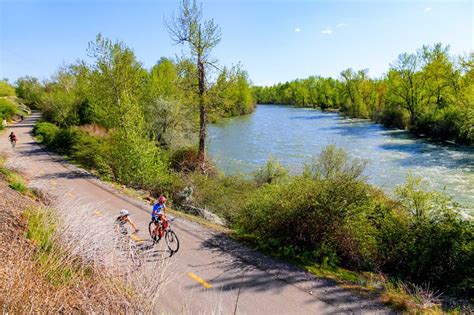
x=295 y=135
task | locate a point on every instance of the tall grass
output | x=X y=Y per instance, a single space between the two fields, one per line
x=84 y=234
x=73 y=253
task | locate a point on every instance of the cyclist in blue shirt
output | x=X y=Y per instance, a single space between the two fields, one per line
x=158 y=215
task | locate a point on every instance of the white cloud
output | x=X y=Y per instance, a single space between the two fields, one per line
x=327 y=31
x=297 y=30
x=341 y=25
x=427 y=9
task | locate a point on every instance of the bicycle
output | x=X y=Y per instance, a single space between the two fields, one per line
x=125 y=243
x=164 y=231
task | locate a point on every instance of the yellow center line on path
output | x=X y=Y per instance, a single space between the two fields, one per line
x=53 y=182
x=136 y=238
x=71 y=194
x=202 y=282
x=98 y=213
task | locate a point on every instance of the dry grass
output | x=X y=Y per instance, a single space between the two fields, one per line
x=412 y=298
x=94 y=130
x=37 y=277
x=84 y=234
x=70 y=262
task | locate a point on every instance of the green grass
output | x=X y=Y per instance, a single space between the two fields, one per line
x=18 y=186
x=41 y=226
x=59 y=268
x=15 y=181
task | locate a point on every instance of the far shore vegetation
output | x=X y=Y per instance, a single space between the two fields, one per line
x=429 y=92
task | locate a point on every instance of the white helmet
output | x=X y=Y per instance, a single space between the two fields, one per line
x=124 y=213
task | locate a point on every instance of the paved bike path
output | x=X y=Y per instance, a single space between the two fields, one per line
x=212 y=274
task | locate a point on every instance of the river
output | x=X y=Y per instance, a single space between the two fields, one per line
x=295 y=135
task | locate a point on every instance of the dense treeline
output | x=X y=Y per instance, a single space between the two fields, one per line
x=429 y=92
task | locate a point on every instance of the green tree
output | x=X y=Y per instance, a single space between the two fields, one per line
x=6 y=89
x=163 y=80
x=30 y=90
x=465 y=98
x=62 y=99
x=231 y=95
x=116 y=83
x=406 y=84
x=356 y=90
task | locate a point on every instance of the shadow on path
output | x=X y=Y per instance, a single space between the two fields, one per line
x=259 y=272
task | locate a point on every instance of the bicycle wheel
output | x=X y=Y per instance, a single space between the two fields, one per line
x=172 y=241
x=120 y=238
x=135 y=256
x=151 y=228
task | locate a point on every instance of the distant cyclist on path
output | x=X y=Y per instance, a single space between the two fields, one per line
x=13 y=139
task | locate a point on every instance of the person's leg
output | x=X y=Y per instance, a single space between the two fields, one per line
x=157 y=226
x=155 y=230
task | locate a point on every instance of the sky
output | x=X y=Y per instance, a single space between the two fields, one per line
x=274 y=40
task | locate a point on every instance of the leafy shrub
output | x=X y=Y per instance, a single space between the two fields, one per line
x=467 y=126
x=7 y=109
x=65 y=140
x=58 y=139
x=430 y=242
x=329 y=215
x=395 y=117
x=30 y=90
x=60 y=106
x=311 y=215
x=185 y=160
x=46 y=132
x=326 y=212
x=271 y=172
x=89 y=152
x=6 y=89
x=445 y=123
x=136 y=161
x=224 y=195
x=335 y=164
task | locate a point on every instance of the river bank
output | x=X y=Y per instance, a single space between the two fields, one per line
x=294 y=136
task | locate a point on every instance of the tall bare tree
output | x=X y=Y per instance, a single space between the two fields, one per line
x=201 y=36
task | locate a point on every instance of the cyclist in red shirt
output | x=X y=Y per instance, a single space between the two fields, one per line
x=13 y=138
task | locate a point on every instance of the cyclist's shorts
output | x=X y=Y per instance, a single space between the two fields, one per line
x=156 y=219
